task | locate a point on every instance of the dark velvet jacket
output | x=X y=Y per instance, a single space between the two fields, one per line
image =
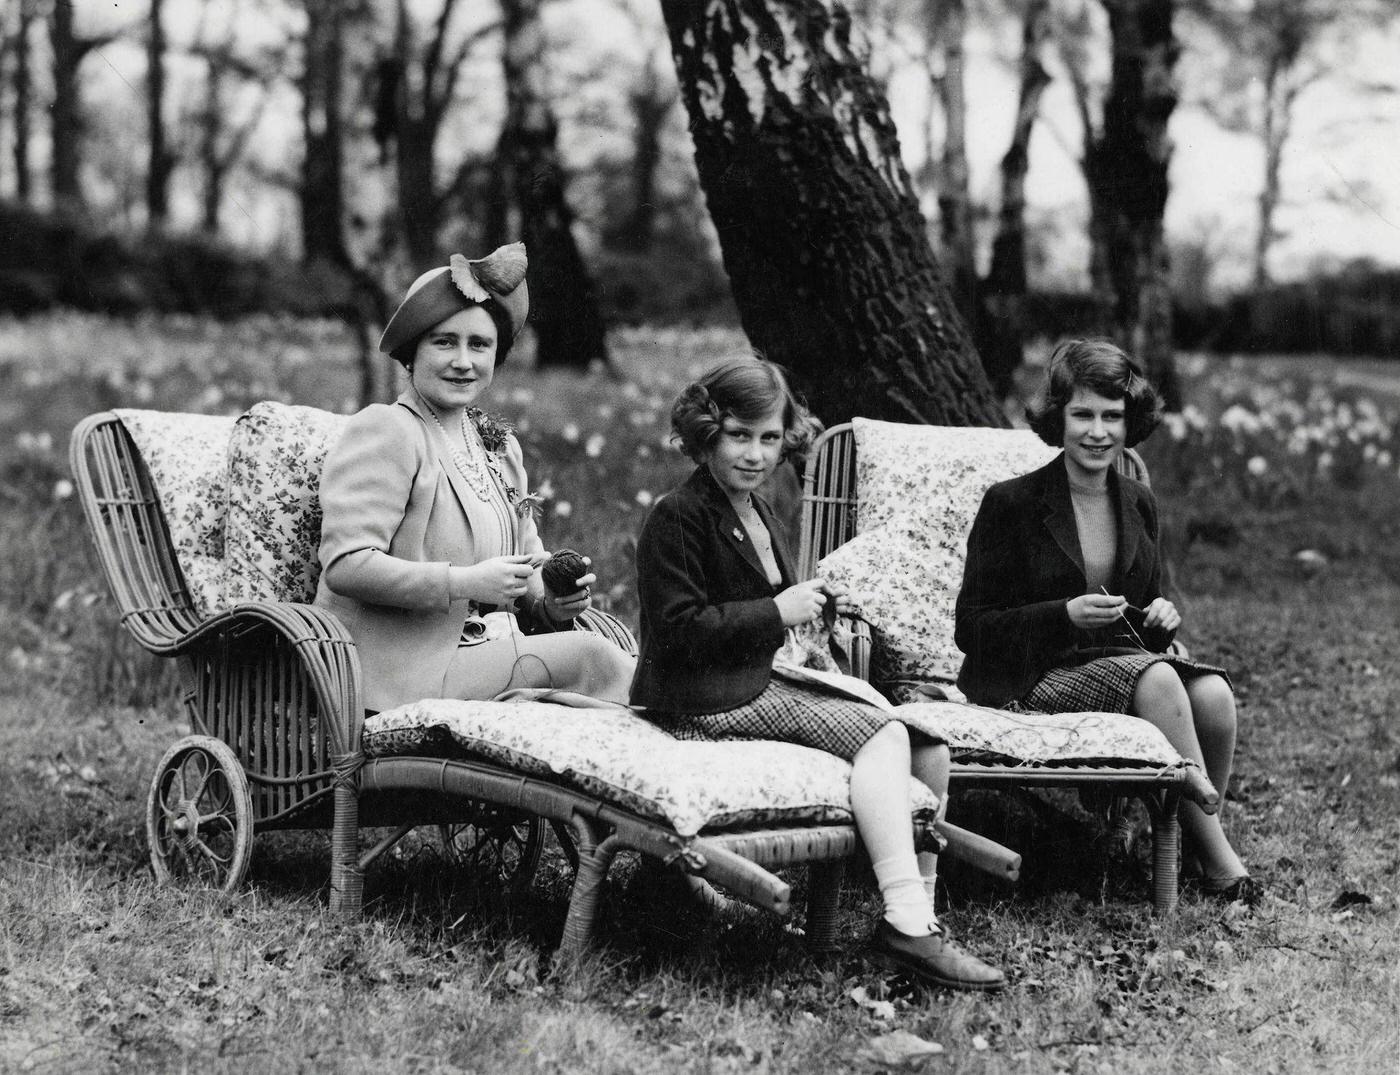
x=709 y=623
x=1024 y=565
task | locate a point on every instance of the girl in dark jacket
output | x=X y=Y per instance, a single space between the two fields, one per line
x=1061 y=608
x=718 y=591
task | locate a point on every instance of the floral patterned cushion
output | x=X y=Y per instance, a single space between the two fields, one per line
x=918 y=490
x=976 y=733
x=186 y=455
x=624 y=759
x=274 y=508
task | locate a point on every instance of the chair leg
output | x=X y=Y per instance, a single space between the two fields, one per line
x=1166 y=849
x=347 y=878
x=595 y=859
x=823 y=904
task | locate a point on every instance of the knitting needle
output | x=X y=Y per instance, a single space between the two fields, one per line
x=1126 y=623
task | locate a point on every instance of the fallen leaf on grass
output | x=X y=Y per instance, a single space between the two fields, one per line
x=1349 y=897
x=880 y=1009
x=899 y=1048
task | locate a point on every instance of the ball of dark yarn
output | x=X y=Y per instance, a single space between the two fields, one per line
x=562 y=571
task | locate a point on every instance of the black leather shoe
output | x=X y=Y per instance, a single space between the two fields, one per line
x=1245 y=890
x=934 y=958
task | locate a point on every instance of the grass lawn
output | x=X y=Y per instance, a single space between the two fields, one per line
x=101 y=971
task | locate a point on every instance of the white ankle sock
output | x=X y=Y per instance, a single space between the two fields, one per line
x=907 y=906
x=928 y=869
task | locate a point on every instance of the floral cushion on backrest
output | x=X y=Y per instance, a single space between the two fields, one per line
x=624 y=759
x=187 y=457
x=976 y=733
x=274 y=508
x=918 y=489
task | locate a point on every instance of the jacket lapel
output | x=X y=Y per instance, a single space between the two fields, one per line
x=1059 y=512
x=780 y=546
x=1130 y=531
x=731 y=530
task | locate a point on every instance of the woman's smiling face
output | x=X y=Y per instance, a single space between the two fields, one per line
x=455 y=360
x=1096 y=429
x=745 y=452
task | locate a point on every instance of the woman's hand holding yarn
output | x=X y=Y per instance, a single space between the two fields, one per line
x=1092 y=610
x=560 y=608
x=801 y=603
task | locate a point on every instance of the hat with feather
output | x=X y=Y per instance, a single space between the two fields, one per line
x=495 y=282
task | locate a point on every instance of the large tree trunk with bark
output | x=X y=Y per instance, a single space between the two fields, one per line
x=821 y=232
x=160 y=161
x=1002 y=321
x=1127 y=168
x=564 y=310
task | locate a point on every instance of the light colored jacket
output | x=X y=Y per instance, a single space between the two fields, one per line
x=396 y=515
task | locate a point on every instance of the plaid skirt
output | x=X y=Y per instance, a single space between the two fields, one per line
x=789 y=713
x=1105 y=684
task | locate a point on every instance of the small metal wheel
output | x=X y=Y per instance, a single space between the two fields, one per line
x=199 y=815
x=496 y=845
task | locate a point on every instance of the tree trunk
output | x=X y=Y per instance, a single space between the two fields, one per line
x=160 y=160
x=1001 y=337
x=1281 y=90
x=66 y=125
x=650 y=107
x=24 y=187
x=210 y=159
x=323 y=168
x=947 y=25
x=1127 y=168
x=822 y=236
x=568 y=327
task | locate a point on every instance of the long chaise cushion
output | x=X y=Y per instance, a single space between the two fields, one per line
x=978 y=734
x=627 y=761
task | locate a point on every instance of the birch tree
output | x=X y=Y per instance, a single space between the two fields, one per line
x=819 y=224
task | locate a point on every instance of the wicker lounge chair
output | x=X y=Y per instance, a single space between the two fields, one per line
x=829 y=520
x=272 y=692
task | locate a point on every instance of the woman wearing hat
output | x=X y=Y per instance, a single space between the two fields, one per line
x=429 y=552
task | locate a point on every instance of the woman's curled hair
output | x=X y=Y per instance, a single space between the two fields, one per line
x=1102 y=368
x=748 y=389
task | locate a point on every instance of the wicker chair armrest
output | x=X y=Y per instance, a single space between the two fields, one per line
x=323 y=646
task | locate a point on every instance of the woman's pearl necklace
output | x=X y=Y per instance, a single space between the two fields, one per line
x=475 y=476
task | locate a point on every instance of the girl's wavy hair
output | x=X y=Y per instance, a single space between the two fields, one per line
x=1105 y=369
x=746 y=388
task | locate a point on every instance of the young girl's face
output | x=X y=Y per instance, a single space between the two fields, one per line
x=745 y=453
x=1096 y=429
